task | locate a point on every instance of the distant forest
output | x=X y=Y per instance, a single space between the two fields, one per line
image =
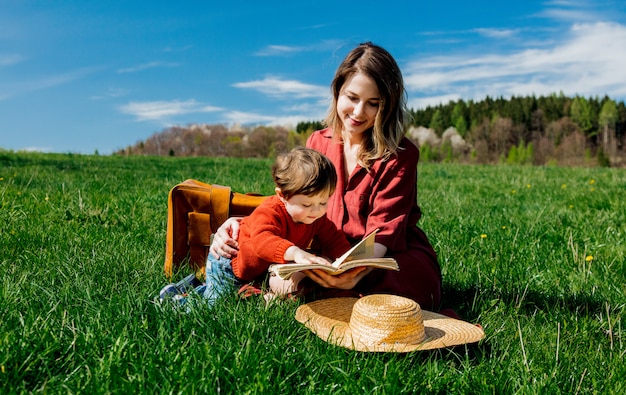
x=546 y=130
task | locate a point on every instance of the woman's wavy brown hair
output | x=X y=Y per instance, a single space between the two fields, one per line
x=389 y=125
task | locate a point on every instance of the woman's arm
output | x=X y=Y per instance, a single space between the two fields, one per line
x=225 y=239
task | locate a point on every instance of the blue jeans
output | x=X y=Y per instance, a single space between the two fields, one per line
x=220 y=278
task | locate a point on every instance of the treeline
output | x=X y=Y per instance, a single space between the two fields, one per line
x=538 y=130
x=218 y=140
x=542 y=130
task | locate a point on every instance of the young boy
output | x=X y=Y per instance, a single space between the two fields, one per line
x=283 y=226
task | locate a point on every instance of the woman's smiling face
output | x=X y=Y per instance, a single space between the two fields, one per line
x=357 y=104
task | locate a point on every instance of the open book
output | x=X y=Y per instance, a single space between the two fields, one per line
x=357 y=256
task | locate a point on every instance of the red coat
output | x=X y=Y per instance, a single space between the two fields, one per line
x=385 y=198
x=269 y=231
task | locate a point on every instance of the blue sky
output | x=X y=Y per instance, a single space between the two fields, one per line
x=80 y=76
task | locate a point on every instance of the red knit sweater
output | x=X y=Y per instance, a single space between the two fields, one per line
x=269 y=231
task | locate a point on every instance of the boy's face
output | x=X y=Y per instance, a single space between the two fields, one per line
x=306 y=209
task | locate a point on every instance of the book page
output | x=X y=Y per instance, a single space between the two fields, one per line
x=285 y=270
x=361 y=254
x=361 y=250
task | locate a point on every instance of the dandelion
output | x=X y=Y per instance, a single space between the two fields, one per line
x=589 y=258
x=571 y=206
x=503 y=227
x=1 y=178
x=592 y=189
x=592 y=181
x=563 y=186
x=528 y=186
x=483 y=236
x=514 y=192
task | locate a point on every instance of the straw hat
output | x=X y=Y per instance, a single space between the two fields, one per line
x=384 y=323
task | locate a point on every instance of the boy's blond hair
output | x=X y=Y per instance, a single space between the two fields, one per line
x=304 y=171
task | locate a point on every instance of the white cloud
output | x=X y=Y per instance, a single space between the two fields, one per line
x=250 y=118
x=284 y=88
x=277 y=50
x=160 y=110
x=55 y=80
x=573 y=11
x=316 y=110
x=36 y=84
x=422 y=102
x=183 y=48
x=246 y=118
x=496 y=33
x=111 y=93
x=282 y=50
x=568 y=15
x=9 y=59
x=588 y=61
x=145 y=66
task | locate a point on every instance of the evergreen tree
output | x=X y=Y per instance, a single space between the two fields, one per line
x=582 y=114
x=512 y=158
x=608 y=114
x=606 y=122
x=458 y=118
x=437 y=123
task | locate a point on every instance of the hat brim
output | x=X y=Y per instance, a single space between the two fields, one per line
x=329 y=319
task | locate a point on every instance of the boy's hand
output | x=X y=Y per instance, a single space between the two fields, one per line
x=299 y=255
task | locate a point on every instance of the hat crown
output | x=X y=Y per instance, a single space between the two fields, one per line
x=387 y=320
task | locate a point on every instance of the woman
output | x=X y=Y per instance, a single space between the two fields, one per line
x=377 y=182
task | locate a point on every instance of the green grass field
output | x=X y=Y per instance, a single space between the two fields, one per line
x=535 y=255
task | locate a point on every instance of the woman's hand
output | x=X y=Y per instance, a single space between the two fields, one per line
x=346 y=280
x=225 y=239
